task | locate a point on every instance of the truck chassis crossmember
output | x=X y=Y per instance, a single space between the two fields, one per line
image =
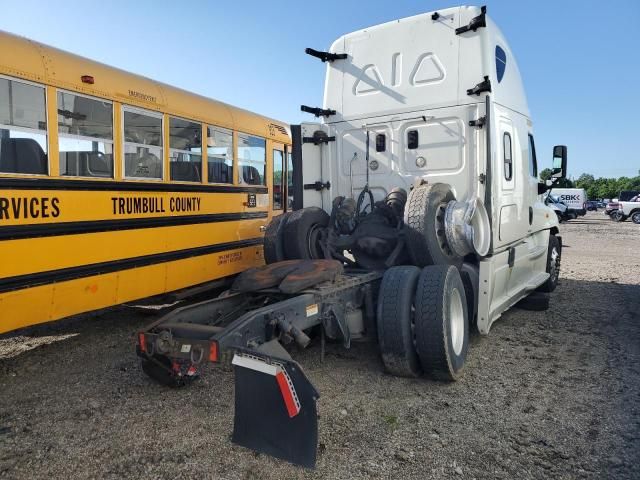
x=247 y=330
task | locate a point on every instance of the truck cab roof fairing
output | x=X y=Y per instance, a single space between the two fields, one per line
x=419 y=63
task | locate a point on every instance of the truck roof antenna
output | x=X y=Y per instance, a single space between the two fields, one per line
x=325 y=56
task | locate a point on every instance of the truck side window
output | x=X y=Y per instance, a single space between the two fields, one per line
x=381 y=142
x=412 y=139
x=533 y=163
x=508 y=162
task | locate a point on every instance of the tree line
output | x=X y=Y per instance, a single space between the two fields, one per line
x=597 y=188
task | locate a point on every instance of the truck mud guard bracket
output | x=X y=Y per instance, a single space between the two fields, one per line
x=319 y=137
x=483 y=86
x=318 y=112
x=325 y=56
x=478 y=122
x=475 y=23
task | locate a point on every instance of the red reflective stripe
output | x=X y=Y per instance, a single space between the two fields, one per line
x=287 y=395
x=142 y=342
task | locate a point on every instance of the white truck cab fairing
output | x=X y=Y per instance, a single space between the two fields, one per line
x=439 y=107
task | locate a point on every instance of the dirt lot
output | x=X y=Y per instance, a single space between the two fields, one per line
x=551 y=394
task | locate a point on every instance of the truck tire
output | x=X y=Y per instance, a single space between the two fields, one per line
x=301 y=233
x=395 y=318
x=554 y=254
x=273 y=239
x=424 y=217
x=535 y=302
x=441 y=325
x=618 y=216
x=635 y=217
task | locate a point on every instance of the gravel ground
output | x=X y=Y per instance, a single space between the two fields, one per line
x=550 y=394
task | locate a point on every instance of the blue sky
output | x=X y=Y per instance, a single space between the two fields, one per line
x=580 y=60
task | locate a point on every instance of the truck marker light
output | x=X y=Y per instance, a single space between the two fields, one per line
x=142 y=342
x=213 y=352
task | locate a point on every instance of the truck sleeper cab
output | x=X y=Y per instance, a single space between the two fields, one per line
x=417 y=216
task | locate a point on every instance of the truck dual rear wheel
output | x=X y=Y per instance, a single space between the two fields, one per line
x=396 y=321
x=442 y=328
x=423 y=321
x=424 y=217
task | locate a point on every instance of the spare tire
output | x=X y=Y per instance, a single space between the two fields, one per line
x=424 y=218
x=273 y=243
x=302 y=233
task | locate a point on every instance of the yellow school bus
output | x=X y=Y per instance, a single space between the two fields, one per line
x=114 y=187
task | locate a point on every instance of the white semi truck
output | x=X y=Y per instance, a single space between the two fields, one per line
x=417 y=217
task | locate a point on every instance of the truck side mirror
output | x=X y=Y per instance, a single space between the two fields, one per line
x=559 y=162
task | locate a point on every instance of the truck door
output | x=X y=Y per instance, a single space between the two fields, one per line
x=311 y=165
x=513 y=196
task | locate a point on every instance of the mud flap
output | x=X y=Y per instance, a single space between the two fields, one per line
x=275 y=408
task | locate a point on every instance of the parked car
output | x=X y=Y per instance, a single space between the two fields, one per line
x=628 y=209
x=591 y=205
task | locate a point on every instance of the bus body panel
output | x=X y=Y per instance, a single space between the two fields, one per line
x=73 y=240
x=53 y=301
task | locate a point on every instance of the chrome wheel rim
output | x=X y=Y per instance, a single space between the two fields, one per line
x=456 y=321
x=554 y=264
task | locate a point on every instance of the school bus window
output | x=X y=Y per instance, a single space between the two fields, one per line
x=185 y=150
x=252 y=158
x=142 y=144
x=23 y=128
x=85 y=136
x=278 y=179
x=220 y=155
